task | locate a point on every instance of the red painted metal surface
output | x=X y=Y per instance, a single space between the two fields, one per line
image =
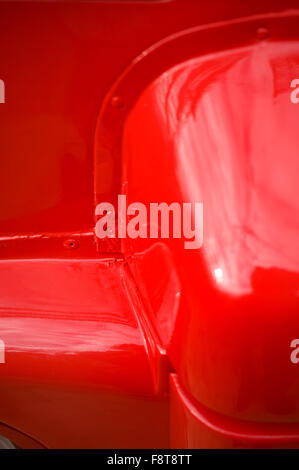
x=227 y=127
x=99 y=102
x=194 y=426
x=76 y=371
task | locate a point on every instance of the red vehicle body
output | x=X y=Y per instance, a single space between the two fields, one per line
x=139 y=343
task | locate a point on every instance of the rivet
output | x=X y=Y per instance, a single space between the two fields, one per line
x=71 y=244
x=117 y=102
x=262 y=33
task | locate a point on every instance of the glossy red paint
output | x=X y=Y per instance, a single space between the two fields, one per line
x=71 y=337
x=226 y=127
x=194 y=426
x=199 y=109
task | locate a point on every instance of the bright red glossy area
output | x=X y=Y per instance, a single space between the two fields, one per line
x=71 y=337
x=194 y=426
x=164 y=101
x=58 y=61
x=226 y=127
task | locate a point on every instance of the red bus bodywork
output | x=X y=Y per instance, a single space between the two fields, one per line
x=122 y=343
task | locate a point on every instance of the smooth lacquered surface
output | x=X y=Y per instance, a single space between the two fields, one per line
x=58 y=61
x=71 y=338
x=194 y=426
x=227 y=128
x=85 y=361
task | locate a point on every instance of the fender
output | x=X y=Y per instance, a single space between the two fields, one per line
x=123 y=342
